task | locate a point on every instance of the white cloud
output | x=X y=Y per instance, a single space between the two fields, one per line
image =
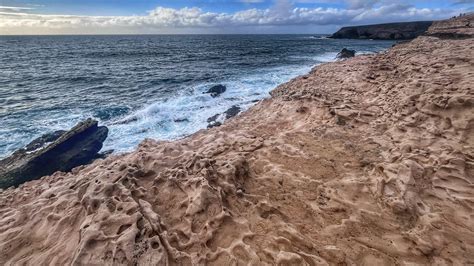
x=170 y=20
x=13 y=8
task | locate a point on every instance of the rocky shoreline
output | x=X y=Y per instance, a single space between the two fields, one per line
x=366 y=161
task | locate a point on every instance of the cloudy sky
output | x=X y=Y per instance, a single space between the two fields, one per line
x=213 y=16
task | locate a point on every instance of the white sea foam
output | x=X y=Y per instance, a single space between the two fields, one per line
x=326 y=57
x=147 y=89
x=188 y=110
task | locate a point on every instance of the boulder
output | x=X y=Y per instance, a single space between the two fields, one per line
x=216 y=90
x=217 y=119
x=231 y=112
x=57 y=151
x=213 y=118
x=345 y=53
x=214 y=124
x=212 y=121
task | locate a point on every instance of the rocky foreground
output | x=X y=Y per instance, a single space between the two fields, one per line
x=363 y=161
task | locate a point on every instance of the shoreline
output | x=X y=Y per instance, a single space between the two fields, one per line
x=175 y=115
x=363 y=161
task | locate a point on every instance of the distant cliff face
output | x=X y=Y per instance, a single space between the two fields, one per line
x=390 y=31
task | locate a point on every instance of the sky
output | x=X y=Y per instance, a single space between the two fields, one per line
x=18 y=17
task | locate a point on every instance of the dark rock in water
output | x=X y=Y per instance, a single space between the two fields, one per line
x=214 y=124
x=43 y=141
x=57 y=151
x=346 y=53
x=388 y=31
x=181 y=120
x=213 y=121
x=231 y=112
x=213 y=118
x=216 y=90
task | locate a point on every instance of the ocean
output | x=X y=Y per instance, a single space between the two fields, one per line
x=146 y=86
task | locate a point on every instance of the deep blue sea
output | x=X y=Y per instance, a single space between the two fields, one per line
x=139 y=86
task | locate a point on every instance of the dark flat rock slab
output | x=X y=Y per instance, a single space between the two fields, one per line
x=57 y=151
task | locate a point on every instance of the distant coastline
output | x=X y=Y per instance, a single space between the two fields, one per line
x=386 y=31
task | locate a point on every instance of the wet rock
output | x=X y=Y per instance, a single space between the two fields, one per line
x=217 y=119
x=213 y=118
x=212 y=121
x=57 y=151
x=345 y=53
x=44 y=140
x=216 y=90
x=231 y=112
x=214 y=124
x=181 y=120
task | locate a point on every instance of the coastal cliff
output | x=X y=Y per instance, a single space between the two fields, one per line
x=365 y=161
x=388 y=31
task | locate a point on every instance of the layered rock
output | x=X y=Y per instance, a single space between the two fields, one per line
x=454 y=28
x=366 y=161
x=388 y=31
x=57 y=151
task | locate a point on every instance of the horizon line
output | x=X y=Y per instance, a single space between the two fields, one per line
x=155 y=34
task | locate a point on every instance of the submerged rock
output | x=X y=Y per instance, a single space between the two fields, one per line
x=214 y=124
x=231 y=112
x=213 y=121
x=217 y=119
x=345 y=53
x=216 y=90
x=57 y=151
x=181 y=120
x=213 y=118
